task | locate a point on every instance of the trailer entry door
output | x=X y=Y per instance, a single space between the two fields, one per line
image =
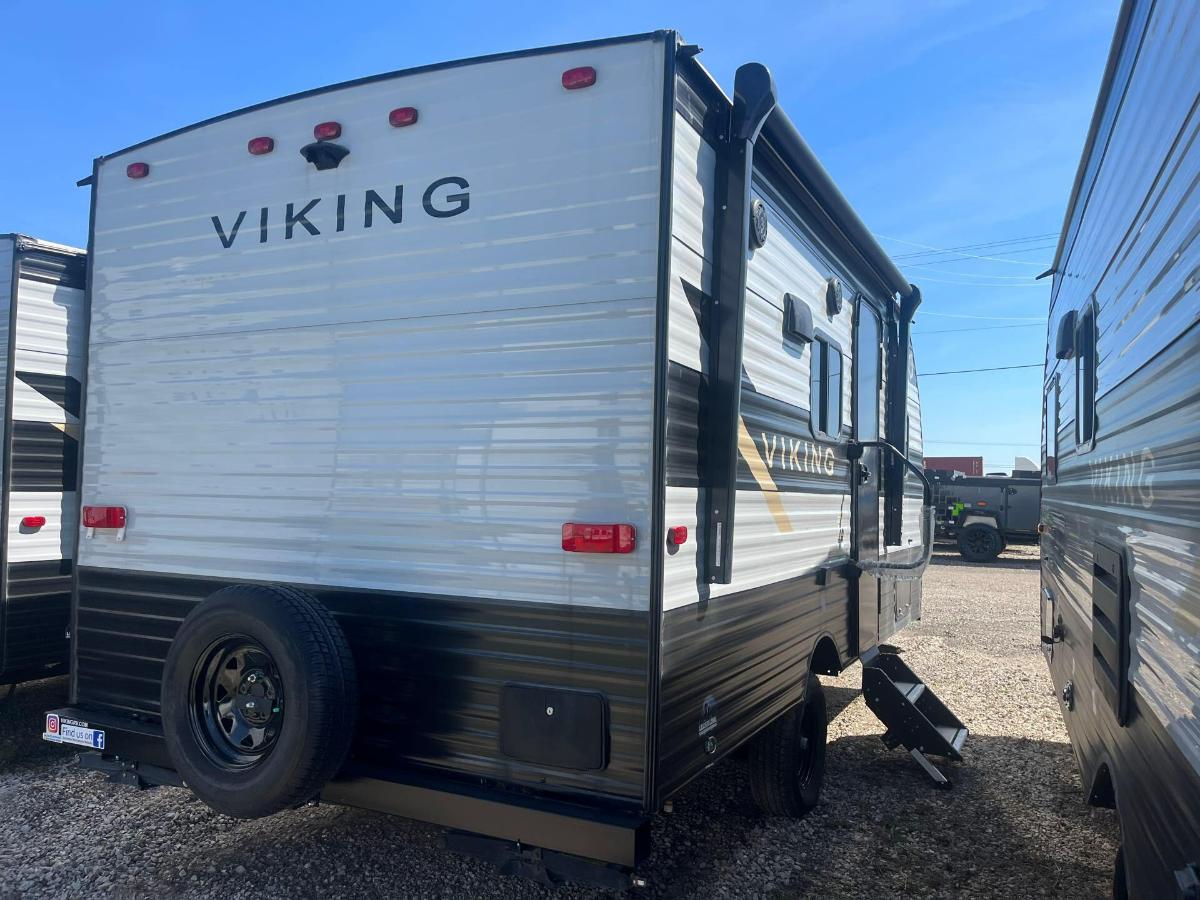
x=867 y=332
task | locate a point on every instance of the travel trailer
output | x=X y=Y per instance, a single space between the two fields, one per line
x=499 y=443
x=42 y=313
x=1121 y=453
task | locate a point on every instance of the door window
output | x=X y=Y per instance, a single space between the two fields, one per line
x=825 y=389
x=866 y=393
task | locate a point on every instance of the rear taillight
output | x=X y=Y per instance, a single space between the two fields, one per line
x=402 y=117
x=676 y=535
x=104 y=517
x=327 y=131
x=577 y=538
x=137 y=170
x=574 y=79
x=260 y=146
x=33 y=521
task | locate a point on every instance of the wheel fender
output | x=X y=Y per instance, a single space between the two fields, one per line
x=979 y=520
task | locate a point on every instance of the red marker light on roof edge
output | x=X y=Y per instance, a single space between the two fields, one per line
x=327 y=131
x=402 y=117
x=574 y=79
x=137 y=170
x=260 y=146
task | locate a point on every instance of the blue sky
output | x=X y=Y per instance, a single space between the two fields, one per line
x=946 y=123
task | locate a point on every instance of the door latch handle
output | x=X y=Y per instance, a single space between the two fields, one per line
x=864 y=473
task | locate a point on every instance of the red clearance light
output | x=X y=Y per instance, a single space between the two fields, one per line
x=677 y=535
x=33 y=521
x=260 y=145
x=405 y=115
x=578 y=538
x=574 y=79
x=137 y=170
x=104 y=517
x=327 y=131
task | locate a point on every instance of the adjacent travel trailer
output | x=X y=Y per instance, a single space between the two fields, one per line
x=1121 y=453
x=42 y=313
x=499 y=443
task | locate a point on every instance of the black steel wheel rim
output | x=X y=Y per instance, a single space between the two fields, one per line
x=236 y=706
x=979 y=541
x=809 y=744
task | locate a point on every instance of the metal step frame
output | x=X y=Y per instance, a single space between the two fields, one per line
x=913 y=714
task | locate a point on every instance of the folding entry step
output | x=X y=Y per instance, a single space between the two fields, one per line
x=913 y=714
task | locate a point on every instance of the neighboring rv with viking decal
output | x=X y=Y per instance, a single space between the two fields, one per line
x=42 y=308
x=510 y=498
x=1120 y=582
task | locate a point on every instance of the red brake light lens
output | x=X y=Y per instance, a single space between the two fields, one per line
x=137 y=170
x=404 y=116
x=577 y=538
x=33 y=521
x=104 y=517
x=328 y=131
x=574 y=79
x=260 y=146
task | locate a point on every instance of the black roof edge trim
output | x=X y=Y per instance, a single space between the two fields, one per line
x=662 y=35
x=85 y=182
x=782 y=136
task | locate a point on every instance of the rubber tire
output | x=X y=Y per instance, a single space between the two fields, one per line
x=320 y=690
x=996 y=543
x=1120 y=885
x=776 y=754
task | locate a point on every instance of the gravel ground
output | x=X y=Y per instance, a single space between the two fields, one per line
x=1015 y=823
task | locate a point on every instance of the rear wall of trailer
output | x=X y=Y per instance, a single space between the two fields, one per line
x=401 y=417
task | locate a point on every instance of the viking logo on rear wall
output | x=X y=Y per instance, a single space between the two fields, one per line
x=443 y=199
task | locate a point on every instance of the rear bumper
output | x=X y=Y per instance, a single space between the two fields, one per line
x=137 y=749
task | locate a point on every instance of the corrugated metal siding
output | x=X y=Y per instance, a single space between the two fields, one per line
x=1135 y=251
x=413 y=408
x=773 y=368
x=7 y=253
x=48 y=338
x=419 y=405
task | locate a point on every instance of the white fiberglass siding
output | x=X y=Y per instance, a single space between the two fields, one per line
x=418 y=405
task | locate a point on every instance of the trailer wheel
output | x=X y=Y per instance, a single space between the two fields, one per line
x=259 y=699
x=980 y=543
x=787 y=758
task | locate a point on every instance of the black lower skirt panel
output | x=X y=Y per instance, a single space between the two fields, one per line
x=430 y=669
x=37 y=611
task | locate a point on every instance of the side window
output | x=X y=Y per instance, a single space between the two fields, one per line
x=1085 y=378
x=825 y=389
x=1050 y=433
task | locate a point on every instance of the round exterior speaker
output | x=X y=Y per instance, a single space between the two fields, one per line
x=758 y=224
x=834 y=295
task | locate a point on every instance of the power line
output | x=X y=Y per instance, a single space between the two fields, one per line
x=908 y=263
x=978 y=328
x=933 y=251
x=992 y=369
x=942 y=315
x=1017 y=262
x=986 y=443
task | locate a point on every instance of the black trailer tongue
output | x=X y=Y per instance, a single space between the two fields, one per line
x=913 y=714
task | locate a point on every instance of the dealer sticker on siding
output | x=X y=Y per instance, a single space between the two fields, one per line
x=68 y=731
